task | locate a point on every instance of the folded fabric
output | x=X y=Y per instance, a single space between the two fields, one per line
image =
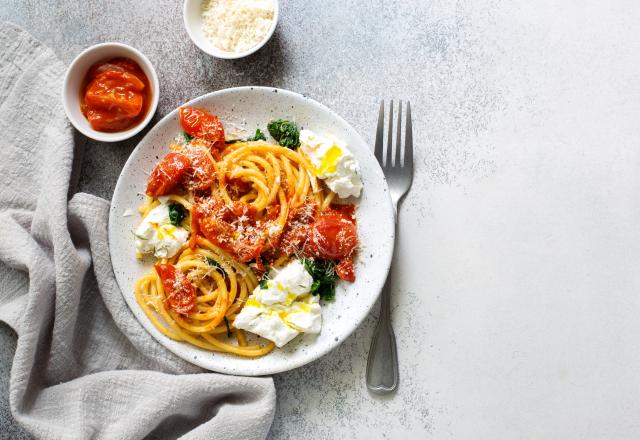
x=84 y=367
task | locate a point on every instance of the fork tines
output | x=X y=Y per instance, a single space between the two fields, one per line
x=400 y=157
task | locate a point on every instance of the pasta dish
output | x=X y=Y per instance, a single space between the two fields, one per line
x=248 y=236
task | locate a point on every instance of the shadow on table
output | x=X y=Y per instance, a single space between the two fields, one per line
x=266 y=67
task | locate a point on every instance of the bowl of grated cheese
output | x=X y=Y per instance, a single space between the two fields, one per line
x=230 y=29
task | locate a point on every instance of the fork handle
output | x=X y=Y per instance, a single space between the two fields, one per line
x=382 y=365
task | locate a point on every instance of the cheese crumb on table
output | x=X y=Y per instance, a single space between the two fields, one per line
x=236 y=25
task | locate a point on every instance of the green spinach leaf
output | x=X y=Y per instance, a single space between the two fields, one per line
x=176 y=214
x=285 y=132
x=324 y=277
x=258 y=136
x=213 y=263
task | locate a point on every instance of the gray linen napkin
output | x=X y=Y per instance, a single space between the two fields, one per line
x=84 y=367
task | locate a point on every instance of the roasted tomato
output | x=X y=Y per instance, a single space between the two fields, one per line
x=297 y=228
x=345 y=270
x=202 y=124
x=167 y=174
x=201 y=172
x=233 y=227
x=333 y=235
x=115 y=96
x=237 y=187
x=114 y=89
x=181 y=296
x=127 y=64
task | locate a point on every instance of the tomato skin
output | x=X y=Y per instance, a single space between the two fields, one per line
x=116 y=92
x=107 y=121
x=232 y=227
x=118 y=64
x=201 y=173
x=237 y=187
x=127 y=65
x=181 y=296
x=201 y=124
x=167 y=174
x=333 y=236
x=115 y=95
x=345 y=270
x=112 y=100
x=298 y=226
x=217 y=230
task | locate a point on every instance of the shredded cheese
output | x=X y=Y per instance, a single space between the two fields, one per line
x=236 y=25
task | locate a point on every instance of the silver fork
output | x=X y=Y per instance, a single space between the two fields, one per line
x=382 y=365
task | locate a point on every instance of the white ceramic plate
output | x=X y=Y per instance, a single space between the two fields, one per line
x=249 y=108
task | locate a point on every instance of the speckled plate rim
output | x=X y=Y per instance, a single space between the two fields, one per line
x=374 y=213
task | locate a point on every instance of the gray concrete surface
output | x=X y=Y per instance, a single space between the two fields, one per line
x=515 y=300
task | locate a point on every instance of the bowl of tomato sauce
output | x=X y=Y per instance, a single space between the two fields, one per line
x=110 y=92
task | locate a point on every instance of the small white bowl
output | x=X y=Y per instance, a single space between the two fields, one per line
x=192 y=14
x=76 y=72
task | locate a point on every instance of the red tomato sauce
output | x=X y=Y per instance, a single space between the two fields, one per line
x=115 y=95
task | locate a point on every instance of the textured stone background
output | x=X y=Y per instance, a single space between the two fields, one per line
x=516 y=294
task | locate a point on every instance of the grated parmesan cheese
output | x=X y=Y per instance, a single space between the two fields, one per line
x=236 y=25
